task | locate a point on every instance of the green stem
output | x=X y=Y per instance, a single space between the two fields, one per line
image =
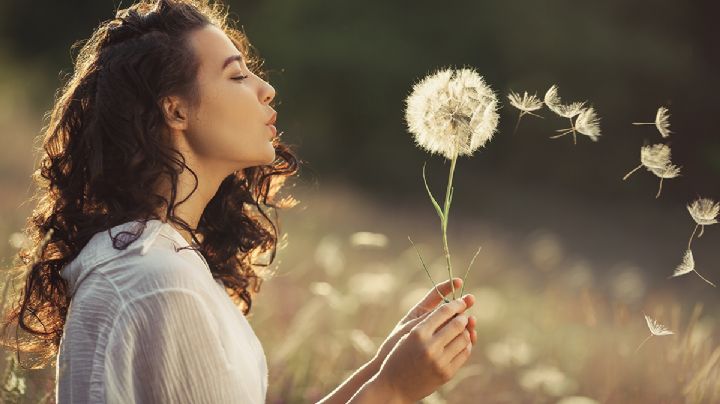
x=444 y=222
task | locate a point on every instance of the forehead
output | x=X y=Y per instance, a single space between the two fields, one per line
x=212 y=47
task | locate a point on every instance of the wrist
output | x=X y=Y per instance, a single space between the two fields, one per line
x=385 y=392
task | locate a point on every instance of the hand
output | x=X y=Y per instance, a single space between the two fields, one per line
x=429 y=355
x=418 y=313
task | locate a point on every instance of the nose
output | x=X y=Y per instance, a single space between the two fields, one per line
x=268 y=93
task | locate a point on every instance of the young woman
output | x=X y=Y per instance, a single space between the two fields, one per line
x=160 y=159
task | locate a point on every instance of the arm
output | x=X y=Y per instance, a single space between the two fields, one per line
x=363 y=386
x=351 y=386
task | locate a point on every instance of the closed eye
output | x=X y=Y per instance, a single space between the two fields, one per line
x=240 y=78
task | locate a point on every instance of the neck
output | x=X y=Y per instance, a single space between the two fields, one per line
x=190 y=211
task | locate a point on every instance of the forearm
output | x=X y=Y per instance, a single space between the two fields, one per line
x=351 y=386
x=375 y=391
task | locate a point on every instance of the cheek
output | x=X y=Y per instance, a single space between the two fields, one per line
x=229 y=126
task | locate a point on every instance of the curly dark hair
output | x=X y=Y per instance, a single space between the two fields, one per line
x=106 y=150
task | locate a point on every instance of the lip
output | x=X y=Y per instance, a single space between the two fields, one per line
x=273 y=129
x=272 y=119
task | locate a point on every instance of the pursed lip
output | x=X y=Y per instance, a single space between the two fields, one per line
x=272 y=119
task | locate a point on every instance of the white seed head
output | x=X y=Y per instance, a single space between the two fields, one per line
x=686 y=266
x=452 y=112
x=526 y=103
x=554 y=102
x=704 y=211
x=588 y=123
x=662 y=122
x=657 y=328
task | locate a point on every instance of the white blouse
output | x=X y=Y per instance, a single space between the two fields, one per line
x=149 y=324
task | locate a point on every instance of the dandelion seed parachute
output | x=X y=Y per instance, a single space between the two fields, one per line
x=554 y=102
x=657 y=328
x=704 y=211
x=588 y=123
x=662 y=122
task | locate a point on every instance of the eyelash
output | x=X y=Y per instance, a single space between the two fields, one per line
x=240 y=78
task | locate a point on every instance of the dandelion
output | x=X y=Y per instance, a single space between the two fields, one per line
x=688 y=265
x=587 y=123
x=662 y=122
x=452 y=113
x=656 y=158
x=526 y=104
x=704 y=212
x=655 y=329
x=554 y=102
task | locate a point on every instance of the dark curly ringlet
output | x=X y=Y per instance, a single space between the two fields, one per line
x=106 y=149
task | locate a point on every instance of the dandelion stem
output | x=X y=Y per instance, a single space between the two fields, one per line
x=632 y=171
x=703 y=278
x=428 y=272
x=572 y=125
x=518 y=122
x=445 y=221
x=468 y=269
x=643 y=123
x=659 y=188
x=692 y=235
x=560 y=135
x=702 y=231
x=643 y=343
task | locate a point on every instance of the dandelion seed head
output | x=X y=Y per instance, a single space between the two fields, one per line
x=686 y=266
x=554 y=102
x=657 y=328
x=526 y=103
x=588 y=123
x=452 y=112
x=662 y=122
x=704 y=211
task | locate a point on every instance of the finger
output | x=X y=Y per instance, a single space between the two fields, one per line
x=442 y=314
x=450 y=331
x=469 y=300
x=455 y=346
x=471 y=329
x=432 y=299
x=459 y=359
x=412 y=323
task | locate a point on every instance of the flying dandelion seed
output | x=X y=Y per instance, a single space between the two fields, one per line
x=555 y=104
x=704 y=212
x=587 y=123
x=662 y=122
x=526 y=104
x=452 y=113
x=655 y=329
x=656 y=159
x=688 y=265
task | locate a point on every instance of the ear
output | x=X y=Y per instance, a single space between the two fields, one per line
x=175 y=111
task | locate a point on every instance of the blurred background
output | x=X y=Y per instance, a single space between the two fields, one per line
x=572 y=256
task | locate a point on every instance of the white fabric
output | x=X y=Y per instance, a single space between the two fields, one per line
x=149 y=324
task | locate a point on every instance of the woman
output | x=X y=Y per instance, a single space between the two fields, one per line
x=159 y=158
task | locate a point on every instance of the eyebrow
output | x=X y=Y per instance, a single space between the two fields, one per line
x=231 y=59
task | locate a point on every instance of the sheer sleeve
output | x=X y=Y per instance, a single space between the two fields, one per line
x=165 y=348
